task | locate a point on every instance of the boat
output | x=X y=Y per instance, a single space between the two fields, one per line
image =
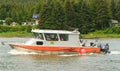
x=56 y=42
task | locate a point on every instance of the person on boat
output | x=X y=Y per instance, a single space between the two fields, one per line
x=107 y=48
x=92 y=44
x=104 y=47
x=48 y=37
x=61 y=38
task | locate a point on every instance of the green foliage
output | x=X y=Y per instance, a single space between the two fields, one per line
x=86 y=15
x=9 y=20
x=16 y=34
x=113 y=30
x=15 y=28
x=19 y=10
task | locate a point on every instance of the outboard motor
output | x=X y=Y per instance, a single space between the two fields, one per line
x=104 y=47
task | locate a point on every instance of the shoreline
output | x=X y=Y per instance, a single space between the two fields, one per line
x=94 y=36
x=29 y=35
x=15 y=34
x=16 y=37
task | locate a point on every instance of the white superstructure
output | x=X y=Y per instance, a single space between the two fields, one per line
x=55 y=38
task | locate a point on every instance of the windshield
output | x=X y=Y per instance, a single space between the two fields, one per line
x=63 y=37
x=38 y=35
x=51 y=37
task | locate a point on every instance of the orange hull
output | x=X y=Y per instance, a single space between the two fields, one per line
x=58 y=48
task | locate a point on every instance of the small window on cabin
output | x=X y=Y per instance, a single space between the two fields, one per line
x=38 y=35
x=63 y=37
x=51 y=37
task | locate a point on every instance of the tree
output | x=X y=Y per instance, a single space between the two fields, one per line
x=87 y=15
x=45 y=16
x=82 y=19
x=59 y=16
x=102 y=14
x=9 y=20
x=69 y=14
x=117 y=11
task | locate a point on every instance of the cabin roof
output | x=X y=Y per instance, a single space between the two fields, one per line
x=55 y=31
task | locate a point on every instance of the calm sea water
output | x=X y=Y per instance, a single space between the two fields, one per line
x=11 y=60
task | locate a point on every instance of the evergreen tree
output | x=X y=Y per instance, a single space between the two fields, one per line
x=59 y=16
x=117 y=11
x=82 y=17
x=102 y=14
x=87 y=15
x=69 y=14
x=46 y=20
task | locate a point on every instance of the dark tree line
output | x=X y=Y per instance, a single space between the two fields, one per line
x=86 y=15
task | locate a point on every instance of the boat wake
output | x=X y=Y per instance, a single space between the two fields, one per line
x=115 y=52
x=67 y=55
x=91 y=54
x=16 y=52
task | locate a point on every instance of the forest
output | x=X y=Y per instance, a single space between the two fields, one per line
x=86 y=15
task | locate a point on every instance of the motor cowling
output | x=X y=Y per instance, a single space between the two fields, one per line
x=104 y=47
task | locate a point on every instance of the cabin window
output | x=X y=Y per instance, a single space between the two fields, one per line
x=39 y=43
x=38 y=35
x=51 y=37
x=63 y=37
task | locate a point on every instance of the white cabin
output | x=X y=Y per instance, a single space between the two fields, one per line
x=55 y=38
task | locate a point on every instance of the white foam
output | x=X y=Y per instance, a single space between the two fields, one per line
x=87 y=54
x=70 y=55
x=115 y=52
x=17 y=52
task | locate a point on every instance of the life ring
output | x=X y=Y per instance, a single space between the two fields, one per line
x=83 y=51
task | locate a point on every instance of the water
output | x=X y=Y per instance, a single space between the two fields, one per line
x=12 y=60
